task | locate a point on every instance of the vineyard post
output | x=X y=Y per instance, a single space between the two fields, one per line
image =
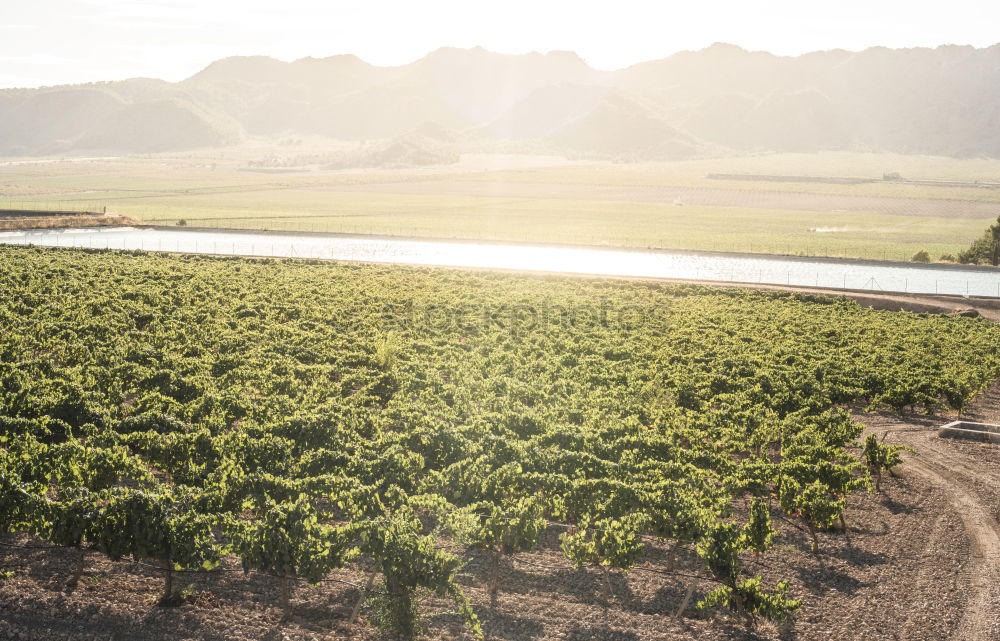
x=168 y=581
x=401 y=602
x=494 y=588
x=81 y=559
x=610 y=594
x=687 y=598
x=815 y=543
x=285 y=593
x=361 y=598
x=847 y=532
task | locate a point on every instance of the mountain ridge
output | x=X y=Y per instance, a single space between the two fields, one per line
x=942 y=101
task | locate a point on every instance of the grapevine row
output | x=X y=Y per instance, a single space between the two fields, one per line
x=303 y=416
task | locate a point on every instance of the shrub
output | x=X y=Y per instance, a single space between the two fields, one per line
x=921 y=257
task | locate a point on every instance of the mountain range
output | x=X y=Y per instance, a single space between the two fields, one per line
x=722 y=99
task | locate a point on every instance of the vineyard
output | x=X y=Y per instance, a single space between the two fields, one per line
x=301 y=416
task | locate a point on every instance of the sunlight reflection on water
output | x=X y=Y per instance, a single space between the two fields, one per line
x=775 y=270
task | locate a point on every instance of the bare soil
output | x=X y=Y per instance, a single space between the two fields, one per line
x=969 y=473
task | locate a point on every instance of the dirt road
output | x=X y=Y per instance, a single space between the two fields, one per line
x=969 y=473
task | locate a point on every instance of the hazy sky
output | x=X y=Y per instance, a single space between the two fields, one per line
x=64 y=41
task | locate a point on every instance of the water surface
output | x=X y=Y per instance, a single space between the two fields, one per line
x=775 y=270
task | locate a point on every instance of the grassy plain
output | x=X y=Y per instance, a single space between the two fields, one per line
x=667 y=205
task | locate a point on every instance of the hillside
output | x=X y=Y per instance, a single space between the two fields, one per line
x=943 y=101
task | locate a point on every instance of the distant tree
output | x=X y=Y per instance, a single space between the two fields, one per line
x=995 y=234
x=921 y=257
x=985 y=249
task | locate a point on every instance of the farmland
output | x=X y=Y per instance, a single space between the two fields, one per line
x=319 y=423
x=666 y=205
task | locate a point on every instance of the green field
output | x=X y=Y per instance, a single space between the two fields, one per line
x=665 y=205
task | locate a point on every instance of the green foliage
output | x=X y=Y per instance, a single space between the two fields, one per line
x=509 y=528
x=387 y=351
x=749 y=599
x=20 y=502
x=288 y=540
x=184 y=407
x=985 y=250
x=394 y=616
x=880 y=458
x=67 y=521
x=721 y=548
x=168 y=527
x=410 y=560
x=813 y=502
x=610 y=542
x=760 y=533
